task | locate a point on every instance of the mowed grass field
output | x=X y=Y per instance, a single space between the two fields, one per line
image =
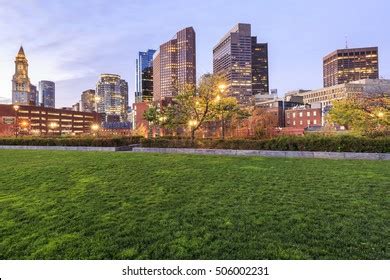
x=87 y=205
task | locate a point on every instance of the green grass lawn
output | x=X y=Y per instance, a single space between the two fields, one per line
x=87 y=205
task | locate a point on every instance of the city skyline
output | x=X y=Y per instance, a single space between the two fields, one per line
x=72 y=55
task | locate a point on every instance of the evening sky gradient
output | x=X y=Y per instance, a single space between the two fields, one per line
x=71 y=42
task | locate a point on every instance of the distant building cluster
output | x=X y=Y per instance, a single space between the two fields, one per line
x=25 y=93
x=162 y=73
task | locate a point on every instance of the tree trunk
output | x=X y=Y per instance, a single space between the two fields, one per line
x=150 y=131
x=192 y=137
x=223 y=129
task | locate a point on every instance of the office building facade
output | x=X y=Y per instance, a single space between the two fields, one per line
x=186 y=57
x=348 y=65
x=243 y=62
x=47 y=93
x=260 y=77
x=144 y=76
x=112 y=98
x=174 y=65
x=303 y=117
x=87 y=103
x=366 y=88
x=38 y=120
x=34 y=95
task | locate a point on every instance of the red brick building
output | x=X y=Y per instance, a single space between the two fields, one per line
x=138 y=111
x=38 y=120
x=303 y=117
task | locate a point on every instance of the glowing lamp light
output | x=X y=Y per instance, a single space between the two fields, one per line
x=222 y=87
x=95 y=127
x=53 y=125
x=24 y=124
x=192 y=123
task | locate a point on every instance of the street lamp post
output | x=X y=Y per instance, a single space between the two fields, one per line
x=16 y=108
x=221 y=88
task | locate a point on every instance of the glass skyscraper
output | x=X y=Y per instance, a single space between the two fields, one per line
x=47 y=93
x=144 y=76
x=34 y=96
x=112 y=98
x=88 y=101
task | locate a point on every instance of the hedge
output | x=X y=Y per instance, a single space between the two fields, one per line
x=67 y=141
x=343 y=143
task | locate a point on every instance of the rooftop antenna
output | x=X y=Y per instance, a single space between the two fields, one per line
x=346 y=42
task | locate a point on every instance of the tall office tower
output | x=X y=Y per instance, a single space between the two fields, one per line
x=47 y=92
x=243 y=62
x=348 y=65
x=88 y=101
x=34 y=96
x=174 y=65
x=112 y=98
x=157 y=76
x=20 y=81
x=144 y=76
x=260 y=77
x=186 y=57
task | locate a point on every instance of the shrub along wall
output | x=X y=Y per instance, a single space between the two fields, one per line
x=88 y=142
x=287 y=143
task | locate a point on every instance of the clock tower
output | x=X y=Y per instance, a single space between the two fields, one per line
x=21 y=86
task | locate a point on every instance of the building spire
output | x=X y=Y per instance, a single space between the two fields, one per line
x=21 y=51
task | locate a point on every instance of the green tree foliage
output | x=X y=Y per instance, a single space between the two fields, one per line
x=151 y=115
x=226 y=109
x=194 y=106
x=363 y=116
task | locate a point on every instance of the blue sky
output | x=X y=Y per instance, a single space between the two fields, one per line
x=71 y=42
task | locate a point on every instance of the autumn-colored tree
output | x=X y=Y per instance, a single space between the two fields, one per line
x=361 y=115
x=140 y=131
x=263 y=122
x=226 y=109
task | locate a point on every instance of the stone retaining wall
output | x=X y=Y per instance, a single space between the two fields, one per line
x=281 y=154
x=262 y=153
x=66 y=148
